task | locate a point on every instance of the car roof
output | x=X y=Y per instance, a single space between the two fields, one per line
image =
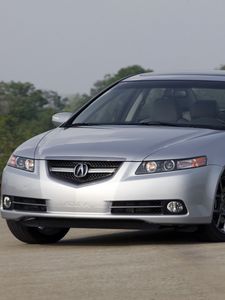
x=205 y=76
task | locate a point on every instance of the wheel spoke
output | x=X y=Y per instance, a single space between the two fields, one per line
x=222 y=222
x=219 y=211
x=221 y=188
x=218 y=222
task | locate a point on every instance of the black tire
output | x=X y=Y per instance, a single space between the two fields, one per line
x=215 y=231
x=209 y=233
x=36 y=235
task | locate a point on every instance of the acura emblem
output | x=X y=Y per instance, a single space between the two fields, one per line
x=80 y=170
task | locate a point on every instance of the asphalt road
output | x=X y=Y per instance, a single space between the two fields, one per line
x=109 y=264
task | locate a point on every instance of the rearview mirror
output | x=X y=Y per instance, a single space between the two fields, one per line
x=61 y=118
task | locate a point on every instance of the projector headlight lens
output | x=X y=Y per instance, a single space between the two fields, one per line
x=169 y=165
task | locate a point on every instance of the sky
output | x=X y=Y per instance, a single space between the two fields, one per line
x=67 y=45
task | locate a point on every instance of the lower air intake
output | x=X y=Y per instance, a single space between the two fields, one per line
x=143 y=207
x=28 y=204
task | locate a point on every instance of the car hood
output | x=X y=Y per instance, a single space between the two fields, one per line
x=131 y=143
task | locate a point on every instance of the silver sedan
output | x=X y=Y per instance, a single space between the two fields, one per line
x=148 y=151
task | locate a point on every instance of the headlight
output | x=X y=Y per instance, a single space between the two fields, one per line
x=158 y=166
x=22 y=163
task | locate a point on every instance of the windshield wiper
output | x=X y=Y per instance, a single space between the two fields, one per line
x=85 y=124
x=155 y=123
x=125 y=123
x=192 y=125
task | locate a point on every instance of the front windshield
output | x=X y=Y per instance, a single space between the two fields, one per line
x=179 y=103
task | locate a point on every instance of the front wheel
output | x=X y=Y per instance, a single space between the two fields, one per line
x=215 y=231
x=36 y=235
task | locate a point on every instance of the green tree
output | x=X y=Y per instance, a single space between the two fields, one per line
x=24 y=112
x=76 y=101
x=6 y=141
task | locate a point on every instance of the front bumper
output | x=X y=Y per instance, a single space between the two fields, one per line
x=93 y=201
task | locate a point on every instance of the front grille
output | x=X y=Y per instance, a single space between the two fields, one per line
x=64 y=170
x=148 y=207
x=28 y=204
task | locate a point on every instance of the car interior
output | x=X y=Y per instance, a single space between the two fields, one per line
x=181 y=106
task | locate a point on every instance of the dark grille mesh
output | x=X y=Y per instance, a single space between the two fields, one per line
x=153 y=207
x=70 y=177
x=29 y=204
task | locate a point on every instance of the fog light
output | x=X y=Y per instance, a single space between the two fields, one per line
x=7 y=203
x=175 y=207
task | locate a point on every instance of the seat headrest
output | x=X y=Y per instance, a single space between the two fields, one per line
x=165 y=110
x=204 y=109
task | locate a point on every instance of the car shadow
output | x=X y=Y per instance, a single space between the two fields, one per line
x=137 y=237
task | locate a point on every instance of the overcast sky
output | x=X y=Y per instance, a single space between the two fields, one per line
x=66 y=45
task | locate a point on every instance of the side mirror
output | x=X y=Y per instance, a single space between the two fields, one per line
x=60 y=118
